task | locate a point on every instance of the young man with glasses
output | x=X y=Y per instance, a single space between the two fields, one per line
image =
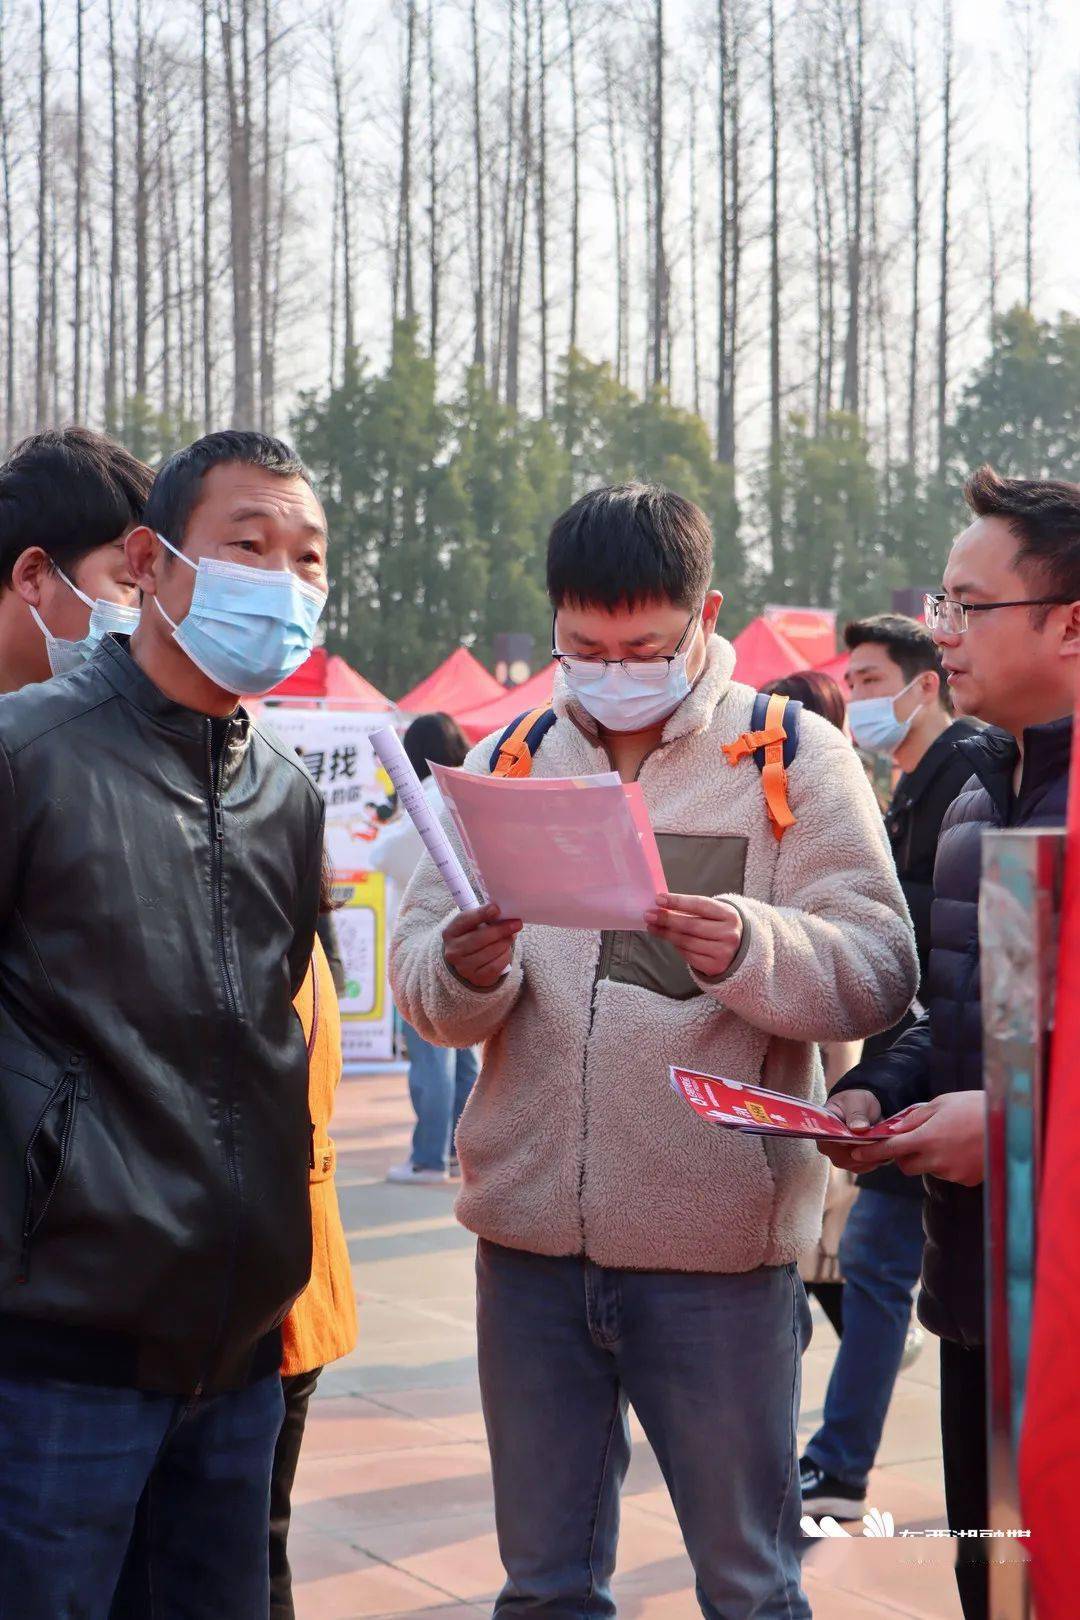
x=1008 y=626
x=629 y=1255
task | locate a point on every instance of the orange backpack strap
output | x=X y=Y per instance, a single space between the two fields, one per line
x=772 y=743
x=513 y=755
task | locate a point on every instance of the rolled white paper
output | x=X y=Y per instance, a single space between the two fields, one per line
x=410 y=791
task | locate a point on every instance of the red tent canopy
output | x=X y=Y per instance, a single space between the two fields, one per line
x=811 y=631
x=762 y=655
x=324 y=675
x=534 y=694
x=457 y=686
x=836 y=667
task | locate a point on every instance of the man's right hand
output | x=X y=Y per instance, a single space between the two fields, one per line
x=479 y=945
x=859 y=1110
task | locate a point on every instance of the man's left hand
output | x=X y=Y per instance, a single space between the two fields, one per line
x=706 y=933
x=945 y=1137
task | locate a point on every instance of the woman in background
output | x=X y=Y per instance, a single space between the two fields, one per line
x=439 y=1080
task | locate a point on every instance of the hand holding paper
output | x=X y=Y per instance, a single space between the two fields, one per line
x=756 y=1111
x=706 y=933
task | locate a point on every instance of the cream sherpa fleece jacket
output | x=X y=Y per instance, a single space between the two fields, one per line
x=572 y=1141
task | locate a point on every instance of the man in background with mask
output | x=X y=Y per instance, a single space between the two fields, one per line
x=159 y=886
x=628 y=1254
x=1007 y=622
x=68 y=498
x=900 y=710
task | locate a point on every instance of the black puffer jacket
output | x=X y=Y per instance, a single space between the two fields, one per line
x=943 y=1052
x=159 y=886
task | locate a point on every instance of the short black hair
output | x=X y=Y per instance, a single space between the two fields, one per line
x=1044 y=515
x=908 y=643
x=629 y=544
x=175 y=493
x=434 y=737
x=69 y=491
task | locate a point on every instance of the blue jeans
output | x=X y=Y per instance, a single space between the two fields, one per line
x=710 y=1364
x=109 y=1495
x=439 y=1086
x=880 y=1259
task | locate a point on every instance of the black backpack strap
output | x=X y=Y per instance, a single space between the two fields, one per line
x=514 y=752
x=791 y=726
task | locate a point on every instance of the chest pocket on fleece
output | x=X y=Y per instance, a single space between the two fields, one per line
x=693 y=864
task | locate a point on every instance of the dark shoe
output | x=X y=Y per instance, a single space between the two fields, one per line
x=822 y=1493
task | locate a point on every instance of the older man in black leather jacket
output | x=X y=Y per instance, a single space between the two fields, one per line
x=159 y=882
x=1008 y=624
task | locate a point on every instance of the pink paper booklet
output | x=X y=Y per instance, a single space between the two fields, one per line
x=758 y=1112
x=572 y=852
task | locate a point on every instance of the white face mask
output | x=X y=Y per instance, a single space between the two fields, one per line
x=105 y=618
x=619 y=701
x=875 y=725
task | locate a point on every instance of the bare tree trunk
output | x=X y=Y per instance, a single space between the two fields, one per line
x=340 y=128
x=142 y=257
x=513 y=327
x=480 y=290
x=729 y=225
x=695 y=354
x=506 y=259
x=947 y=81
x=575 y=174
x=660 y=271
x=77 y=227
x=616 y=199
x=9 y=246
x=265 y=402
x=434 y=267
x=993 y=266
x=541 y=200
x=237 y=96
x=776 y=535
x=916 y=247
x=856 y=102
x=334 y=216
x=207 y=203
x=1026 y=30
x=405 y=240
x=162 y=179
x=54 y=306
x=112 y=338
x=279 y=251
x=40 y=354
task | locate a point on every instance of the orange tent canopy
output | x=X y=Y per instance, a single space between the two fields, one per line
x=763 y=655
x=533 y=694
x=324 y=675
x=457 y=686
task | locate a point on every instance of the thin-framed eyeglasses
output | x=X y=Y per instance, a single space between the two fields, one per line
x=944 y=613
x=649 y=671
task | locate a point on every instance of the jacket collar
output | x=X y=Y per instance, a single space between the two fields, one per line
x=913 y=784
x=112 y=657
x=993 y=755
x=694 y=712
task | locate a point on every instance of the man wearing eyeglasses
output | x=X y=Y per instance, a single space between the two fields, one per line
x=630 y=1256
x=1008 y=626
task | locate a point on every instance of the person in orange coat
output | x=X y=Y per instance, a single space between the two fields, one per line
x=321 y=1326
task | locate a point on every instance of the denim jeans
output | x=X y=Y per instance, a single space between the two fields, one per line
x=880 y=1259
x=710 y=1364
x=118 y=1503
x=439 y=1086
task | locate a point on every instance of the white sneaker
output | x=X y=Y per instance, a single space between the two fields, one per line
x=913 y=1345
x=408 y=1172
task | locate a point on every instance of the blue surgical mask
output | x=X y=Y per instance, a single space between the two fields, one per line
x=247 y=628
x=621 y=702
x=874 y=723
x=105 y=617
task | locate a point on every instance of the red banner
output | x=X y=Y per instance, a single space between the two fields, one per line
x=1050 y=1442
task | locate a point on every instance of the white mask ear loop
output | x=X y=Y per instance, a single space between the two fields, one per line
x=170 y=547
x=73 y=587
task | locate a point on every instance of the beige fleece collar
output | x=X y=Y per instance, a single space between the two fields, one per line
x=694 y=712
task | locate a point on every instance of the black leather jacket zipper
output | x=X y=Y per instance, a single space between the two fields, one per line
x=215 y=776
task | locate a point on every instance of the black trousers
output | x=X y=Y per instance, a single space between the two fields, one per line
x=963 y=1443
x=830 y=1296
x=297 y=1391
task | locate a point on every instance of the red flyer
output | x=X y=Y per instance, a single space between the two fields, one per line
x=758 y=1112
